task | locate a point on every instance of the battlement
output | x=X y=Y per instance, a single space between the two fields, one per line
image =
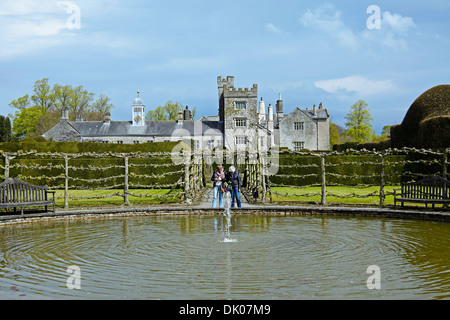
x=232 y=92
x=229 y=81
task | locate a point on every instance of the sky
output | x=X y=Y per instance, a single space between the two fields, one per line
x=386 y=53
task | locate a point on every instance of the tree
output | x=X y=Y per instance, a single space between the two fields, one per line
x=63 y=96
x=102 y=105
x=25 y=122
x=386 y=132
x=44 y=96
x=21 y=103
x=5 y=129
x=358 y=123
x=39 y=112
x=334 y=134
x=159 y=114
x=172 y=109
x=167 y=112
x=80 y=101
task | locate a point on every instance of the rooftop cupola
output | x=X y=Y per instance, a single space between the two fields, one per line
x=138 y=114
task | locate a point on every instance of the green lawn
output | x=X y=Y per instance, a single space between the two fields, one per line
x=79 y=198
x=334 y=195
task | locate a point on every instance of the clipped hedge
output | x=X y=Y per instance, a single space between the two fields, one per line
x=349 y=170
x=82 y=147
x=92 y=172
x=426 y=124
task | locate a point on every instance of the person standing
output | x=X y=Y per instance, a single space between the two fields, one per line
x=218 y=178
x=234 y=180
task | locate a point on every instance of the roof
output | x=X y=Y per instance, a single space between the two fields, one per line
x=62 y=131
x=151 y=128
x=320 y=113
x=209 y=118
x=138 y=102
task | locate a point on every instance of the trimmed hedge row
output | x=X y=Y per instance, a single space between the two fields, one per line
x=96 y=172
x=84 y=147
x=353 y=169
x=92 y=172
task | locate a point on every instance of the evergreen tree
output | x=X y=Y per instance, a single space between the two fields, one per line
x=5 y=129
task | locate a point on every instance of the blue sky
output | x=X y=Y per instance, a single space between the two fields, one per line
x=309 y=51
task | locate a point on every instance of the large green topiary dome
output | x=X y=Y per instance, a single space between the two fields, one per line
x=427 y=122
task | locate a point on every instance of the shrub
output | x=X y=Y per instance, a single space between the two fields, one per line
x=415 y=128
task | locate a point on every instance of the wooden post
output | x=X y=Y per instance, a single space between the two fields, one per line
x=270 y=188
x=66 y=182
x=382 y=180
x=6 y=166
x=262 y=172
x=186 y=176
x=444 y=172
x=126 y=199
x=324 y=182
x=444 y=164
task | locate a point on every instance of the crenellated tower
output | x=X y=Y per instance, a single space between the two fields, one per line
x=238 y=108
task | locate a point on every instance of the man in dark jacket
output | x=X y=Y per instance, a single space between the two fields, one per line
x=234 y=181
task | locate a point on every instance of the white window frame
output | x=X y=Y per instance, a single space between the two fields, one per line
x=298 y=145
x=240 y=123
x=240 y=140
x=299 y=126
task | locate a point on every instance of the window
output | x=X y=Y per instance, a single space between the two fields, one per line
x=299 y=126
x=240 y=105
x=136 y=141
x=211 y=144
x=240 y=122
x=196 y=144
x=241 y=140
x=262 y=141
x=298 y=146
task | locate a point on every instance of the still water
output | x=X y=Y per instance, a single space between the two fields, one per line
x=192 y=257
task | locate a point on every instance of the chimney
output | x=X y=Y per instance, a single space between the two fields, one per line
x=187 y=114
x=270 y=111
x=262 y=107
x=65 y=114
x=314 y=110
x=280 y=105
x=107 y=118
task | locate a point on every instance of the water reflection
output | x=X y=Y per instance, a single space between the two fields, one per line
x=182 y=257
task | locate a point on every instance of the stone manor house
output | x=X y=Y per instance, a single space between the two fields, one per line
x=242 y=122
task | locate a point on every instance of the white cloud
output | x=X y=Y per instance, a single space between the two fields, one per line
x=397 y=23
x=272 y=28
x=356 y=84
x=24 y=7
x=327 y=19
x=41 y=25
x=32 y=28
x=30 y=19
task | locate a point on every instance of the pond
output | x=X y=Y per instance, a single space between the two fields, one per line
x=193 y=257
